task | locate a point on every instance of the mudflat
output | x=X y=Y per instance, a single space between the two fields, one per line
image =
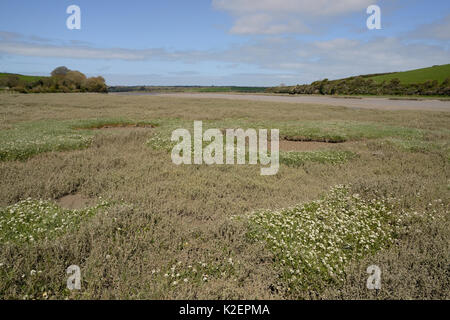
x=363 y=103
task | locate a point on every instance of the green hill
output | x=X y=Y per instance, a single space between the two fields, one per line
x=22 y=77
x=432 y=81
x=439 y=73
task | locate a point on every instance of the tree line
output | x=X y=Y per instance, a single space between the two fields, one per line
x=362 y=86
x=62 y=79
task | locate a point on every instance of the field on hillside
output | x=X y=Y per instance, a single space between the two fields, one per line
x=87 y=180
x=439 y=73
x=21 y=77
x=433 y=81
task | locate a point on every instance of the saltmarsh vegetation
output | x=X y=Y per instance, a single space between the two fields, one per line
x=313 y=242
x=333 y=132
x=34 y=220
x=26 y=139
x=295 y=159
x=161 y=141
x=176 y=240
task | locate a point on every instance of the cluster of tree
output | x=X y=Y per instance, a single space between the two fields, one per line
x=129 y=89
x=62 y=79
x=362 y=86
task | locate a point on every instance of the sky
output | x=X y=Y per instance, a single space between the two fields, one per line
x=222 y=42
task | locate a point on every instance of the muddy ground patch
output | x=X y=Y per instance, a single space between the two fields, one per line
x=75 y=201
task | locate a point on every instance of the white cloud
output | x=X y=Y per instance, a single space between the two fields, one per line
x=316 y=7
x=264 y=23
x=285 y=16
x=288 y=59
x=336 y=58
x=71 y=51
x=237 y=79
x=438 y=30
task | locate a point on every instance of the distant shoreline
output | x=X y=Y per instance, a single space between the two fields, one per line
x=360 y=103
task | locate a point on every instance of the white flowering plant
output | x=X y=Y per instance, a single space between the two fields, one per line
x=27 y=139
x=32 y=220
x=196 y=273
x=295 y=159
x=313 y=242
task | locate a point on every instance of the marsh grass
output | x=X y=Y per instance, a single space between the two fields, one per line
x=314 y=242
x=161 y=141
x=27 y=139
x=35 y=220
x=112 y=123
x=295 y=159
x=341 y=131
x=180 y=215
x=415 y=145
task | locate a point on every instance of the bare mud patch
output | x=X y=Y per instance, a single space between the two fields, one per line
x=300 y=143
x=121 y=126
x=75 y=201
x=289 y=145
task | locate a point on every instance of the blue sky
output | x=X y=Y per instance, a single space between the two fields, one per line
x=222 y=42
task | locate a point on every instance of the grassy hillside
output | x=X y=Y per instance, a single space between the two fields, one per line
x=22 y=77
x=439 y=73
x=432 y=81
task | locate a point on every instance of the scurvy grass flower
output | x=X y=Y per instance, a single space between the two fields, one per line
x=313 y=242
x=32 y=220
x=295 y=159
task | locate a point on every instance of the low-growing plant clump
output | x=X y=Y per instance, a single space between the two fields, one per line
x=295 y=159
x=28 y=139
x=24 y=149
x=32 y=220
x=195 y=273
x=313 y=242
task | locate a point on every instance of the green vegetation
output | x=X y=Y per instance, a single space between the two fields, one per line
x=438 y=73
x=318 y=131
x=295 y=159
x=62 y=79
x=111 y=123
x=27 y=139
x=24 y=78
x=340 y=131
x=434 y=81
x=215 y=231
x=313 y=242
x=34 y=220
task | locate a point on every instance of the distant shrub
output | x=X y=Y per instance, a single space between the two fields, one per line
x=361 y=85
x=312 y=243
x=62 y=79
x=60 y=71
x=95 y=84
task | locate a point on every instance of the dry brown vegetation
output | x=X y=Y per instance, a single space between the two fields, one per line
x=162 y=215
